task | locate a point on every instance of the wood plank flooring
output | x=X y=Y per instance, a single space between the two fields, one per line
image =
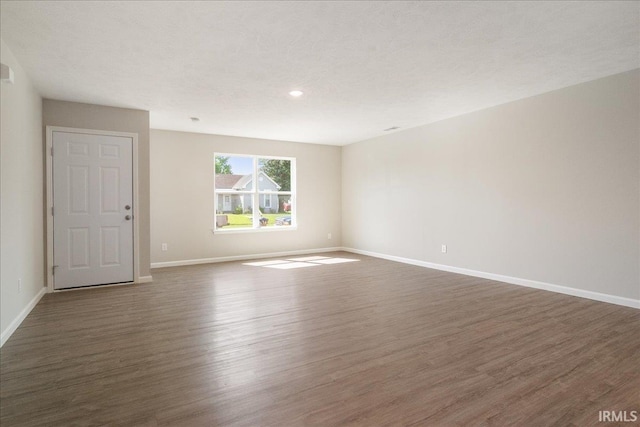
x=367 y=343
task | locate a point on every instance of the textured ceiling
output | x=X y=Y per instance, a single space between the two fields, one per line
x=364 y=66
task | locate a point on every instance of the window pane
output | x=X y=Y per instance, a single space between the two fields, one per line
x=234 y=211
x=274 y=175
x=234 y=173
x=274 y=203
x=281 y=213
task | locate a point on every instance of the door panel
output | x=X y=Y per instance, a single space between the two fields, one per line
x=109 y=246
x=92 y=186
x=109 y=190
x=79 y=252
x=78 y=189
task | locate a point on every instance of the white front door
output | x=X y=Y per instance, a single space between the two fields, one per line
x=226 y=204
x=92 y=209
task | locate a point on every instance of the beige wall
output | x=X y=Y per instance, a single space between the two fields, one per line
x=88 y=116
x=182 y=197
x=546 y=189
x=22 y=200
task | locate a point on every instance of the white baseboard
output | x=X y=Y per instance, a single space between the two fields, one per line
x=240 y=257
x=20 y=318
x=145 y=279
x=597 y=296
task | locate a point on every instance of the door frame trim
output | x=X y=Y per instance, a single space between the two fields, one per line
x=49 y=203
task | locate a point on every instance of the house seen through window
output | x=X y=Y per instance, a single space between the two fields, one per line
x=254 y=192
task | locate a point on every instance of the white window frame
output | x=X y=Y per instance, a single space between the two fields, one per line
x=256 y=193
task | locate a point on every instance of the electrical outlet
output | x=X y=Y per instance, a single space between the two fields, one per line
x=165 y=247
x=329 y=236
x=19 y=285
x=444 y=249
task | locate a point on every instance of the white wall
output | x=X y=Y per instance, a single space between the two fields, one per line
x=22 y=200
x=182 y=211
x=546 y=188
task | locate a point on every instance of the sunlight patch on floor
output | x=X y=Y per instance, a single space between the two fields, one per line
x=335 y=260
x=291 y=265
x=307 y=258
x=266 y=263
x=300 y=262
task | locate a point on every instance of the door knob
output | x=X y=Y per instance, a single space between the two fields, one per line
x=128 y=217
x=127 y=207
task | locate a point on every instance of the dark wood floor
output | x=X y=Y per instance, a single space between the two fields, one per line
x=362 y=343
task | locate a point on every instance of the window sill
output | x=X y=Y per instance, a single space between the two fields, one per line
x=254 y=230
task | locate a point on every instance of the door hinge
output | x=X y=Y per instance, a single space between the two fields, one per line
x=51 y=210
x=53 y=269
x=52 y=151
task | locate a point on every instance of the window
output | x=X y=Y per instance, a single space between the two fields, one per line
x=254 y=192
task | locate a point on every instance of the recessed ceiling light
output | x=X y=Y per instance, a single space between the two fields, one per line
x=195 y=119
x=296 y=93
x=392 y=128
